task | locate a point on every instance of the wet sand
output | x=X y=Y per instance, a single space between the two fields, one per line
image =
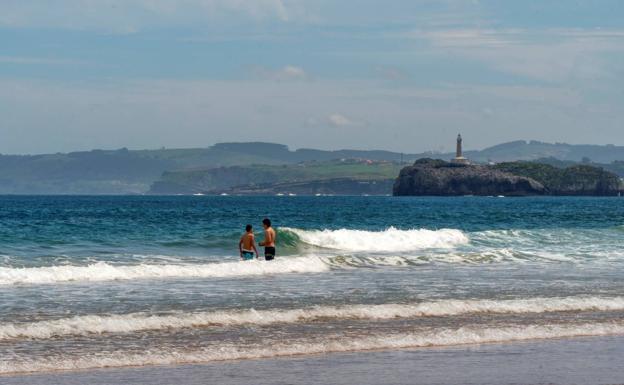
x=589 y=360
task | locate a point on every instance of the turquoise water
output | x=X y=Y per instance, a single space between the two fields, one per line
x=90 y=282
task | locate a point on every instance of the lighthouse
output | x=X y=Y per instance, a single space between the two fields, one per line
x=459 y=157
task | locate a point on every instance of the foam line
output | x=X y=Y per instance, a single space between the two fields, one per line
x=135 y=322
x=331 y=344
x=102 y=271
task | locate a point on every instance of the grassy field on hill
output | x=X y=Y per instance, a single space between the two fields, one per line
x=223 y=178
x=126 y=171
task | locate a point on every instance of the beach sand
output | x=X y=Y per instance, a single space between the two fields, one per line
x=587 y=360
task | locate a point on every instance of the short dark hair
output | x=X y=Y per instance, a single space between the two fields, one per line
x=267 y=222
x=248 y=228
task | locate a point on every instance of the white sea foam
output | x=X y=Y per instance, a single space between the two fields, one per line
x=426 y=338
x=389 y=240
x=102 y=271
x=126 y=323
x=495 y=255
x=578 y=246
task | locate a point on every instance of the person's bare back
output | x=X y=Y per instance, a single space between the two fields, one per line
x=248 y=241
x=247 y=244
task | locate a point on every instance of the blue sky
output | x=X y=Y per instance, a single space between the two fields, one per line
x=403 y=75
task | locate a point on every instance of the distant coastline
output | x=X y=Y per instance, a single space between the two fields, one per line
x=215 y=169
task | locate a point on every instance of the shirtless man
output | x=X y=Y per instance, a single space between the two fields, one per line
x=247 y=245
x=269 y=240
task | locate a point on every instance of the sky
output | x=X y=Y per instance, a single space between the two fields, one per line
x=402 y=75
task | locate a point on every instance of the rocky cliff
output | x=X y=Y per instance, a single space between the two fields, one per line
x=577 y=179
x=437 y=177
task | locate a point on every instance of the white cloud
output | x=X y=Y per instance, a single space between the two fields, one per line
x=291 y=73
x=339 y=120
x=552 y=55
x=466 y=37
x=286 y=73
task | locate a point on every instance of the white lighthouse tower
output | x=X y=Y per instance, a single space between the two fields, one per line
x=459 y=158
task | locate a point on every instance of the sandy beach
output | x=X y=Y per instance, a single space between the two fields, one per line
x=584 y=360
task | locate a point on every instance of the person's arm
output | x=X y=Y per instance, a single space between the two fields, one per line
x=262 y=243
x=240 y=247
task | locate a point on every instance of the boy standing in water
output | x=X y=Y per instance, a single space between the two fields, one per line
x=269 y=240
x=247 y=245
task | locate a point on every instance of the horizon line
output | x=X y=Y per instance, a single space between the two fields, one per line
x=164 y=148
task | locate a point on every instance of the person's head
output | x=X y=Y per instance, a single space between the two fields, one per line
x=266 y=222
x=248 y=228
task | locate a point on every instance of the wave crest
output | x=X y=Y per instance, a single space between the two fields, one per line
x=426 y=338
x=102 y=271
x=127 y=323
x=389 y=240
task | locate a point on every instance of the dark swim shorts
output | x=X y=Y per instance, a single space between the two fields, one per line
x=248 y=255
x=269 y=253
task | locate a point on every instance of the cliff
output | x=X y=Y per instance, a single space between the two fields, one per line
x=437 y=177
x=578 y=179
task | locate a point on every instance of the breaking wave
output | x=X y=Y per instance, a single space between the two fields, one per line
x=126 y=323
x=389 y=240
x=102 y=271
x=330 y=344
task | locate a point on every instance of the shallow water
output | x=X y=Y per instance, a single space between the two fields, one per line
x=90 y=282
x=583 y=360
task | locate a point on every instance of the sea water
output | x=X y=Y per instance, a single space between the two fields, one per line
x=92 y=282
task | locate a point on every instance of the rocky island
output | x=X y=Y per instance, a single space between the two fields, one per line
x=441 y=178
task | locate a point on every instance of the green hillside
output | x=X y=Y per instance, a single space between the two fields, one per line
x=226 y=178
x=134 y=171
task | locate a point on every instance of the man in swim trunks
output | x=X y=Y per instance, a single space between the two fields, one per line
x=247 y=245
x=269 y=240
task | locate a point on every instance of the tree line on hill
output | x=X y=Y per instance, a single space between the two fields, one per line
x=136 y=171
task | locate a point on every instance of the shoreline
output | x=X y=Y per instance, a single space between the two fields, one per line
x=587 y=360
x=318 y=354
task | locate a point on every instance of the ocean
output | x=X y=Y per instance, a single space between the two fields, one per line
x=114 y=282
